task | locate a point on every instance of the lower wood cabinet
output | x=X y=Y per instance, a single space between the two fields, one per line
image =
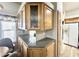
x=20 y=53
x=36 y=52
x=51 y=50
x=41 y=52
x=22 y=47
x=25 y=51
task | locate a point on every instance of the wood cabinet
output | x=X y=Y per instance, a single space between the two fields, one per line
x=42 y=52
x=71 y=20
x=20 y=53
x=33 y=15
x=24 y=22
x=51 y=50
x=48 y=13
x=36 y=52
x=36 y=16
x=39 y=16
x=21 y=19
x=22 y=46
x=24 y=50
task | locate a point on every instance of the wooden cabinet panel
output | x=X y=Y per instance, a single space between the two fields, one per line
x=20 y=53
x=23 y=13
x=39 y=16
x=48 y=18
x=36 y=16
x=22 y=46
x=25 y=50
x=21 y=19
x=42 y=52
x=50 y=50
x=33 y=17
x=36 y=52
x=72 y=20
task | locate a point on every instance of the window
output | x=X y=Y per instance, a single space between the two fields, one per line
x=8 y=29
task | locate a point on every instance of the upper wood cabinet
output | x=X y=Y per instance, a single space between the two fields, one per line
x=33 y=15
x=21 y=19
x=48 y=20
x=38 y=16
x=22 y=46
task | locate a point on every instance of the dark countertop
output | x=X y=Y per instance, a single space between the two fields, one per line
x=42 y=43
x=39 y=44
x=24 y=35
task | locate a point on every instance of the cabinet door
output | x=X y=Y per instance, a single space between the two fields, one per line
x=33 y=16
x=20 y=48
x=23 y=13
x=50 y=50
x=48 y=18
x=21 y=19
x=36 y=52
x=25 y=50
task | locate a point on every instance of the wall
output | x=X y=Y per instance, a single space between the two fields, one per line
x=71 y=14
x=40 y=36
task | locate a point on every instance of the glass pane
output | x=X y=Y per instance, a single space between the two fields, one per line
x=34 y=16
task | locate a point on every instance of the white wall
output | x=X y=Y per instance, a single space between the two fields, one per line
x=40 y=36
x=71 y=14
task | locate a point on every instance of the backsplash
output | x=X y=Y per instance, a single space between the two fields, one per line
x=51 y=34
x=40 y=36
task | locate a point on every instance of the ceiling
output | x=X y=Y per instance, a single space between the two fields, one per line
x=10 y=8
x=69 y=6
